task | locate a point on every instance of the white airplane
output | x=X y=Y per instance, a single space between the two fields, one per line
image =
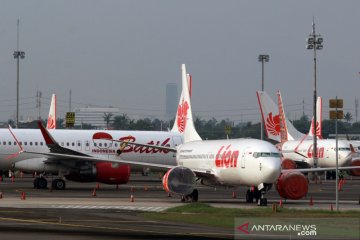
x=84 y=142
x=88 y=142
x=297 y=151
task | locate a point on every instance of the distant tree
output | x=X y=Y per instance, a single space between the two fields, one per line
x=60 y=123
x=11 y=122
x=303 y=124
x=348 y=117
x=144 y=124
x=107 y=119
x=122 y=122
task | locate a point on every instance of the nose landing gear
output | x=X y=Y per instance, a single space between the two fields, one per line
x=258 y=193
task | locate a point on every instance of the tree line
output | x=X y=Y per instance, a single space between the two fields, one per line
x=208 y=129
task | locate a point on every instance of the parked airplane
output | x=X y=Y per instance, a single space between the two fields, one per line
x=84 y=142
x=298 y=152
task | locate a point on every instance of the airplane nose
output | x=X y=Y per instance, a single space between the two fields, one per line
x=345 y=159
x=271 y=169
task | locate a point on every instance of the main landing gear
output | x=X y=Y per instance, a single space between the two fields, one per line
x=41 y=183
x=192 y=197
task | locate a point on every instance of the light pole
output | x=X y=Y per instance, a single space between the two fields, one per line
x=314 y=42
x=262 y=58
x=18 y=55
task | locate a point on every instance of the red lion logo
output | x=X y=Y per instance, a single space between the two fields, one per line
x=182 y=113
x=273 y=124
x=317 y=128
x=51 y=122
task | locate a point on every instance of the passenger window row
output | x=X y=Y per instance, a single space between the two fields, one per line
x=87 y=144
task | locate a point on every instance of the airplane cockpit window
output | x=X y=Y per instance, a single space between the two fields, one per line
x=344 y=149
x=266 y=154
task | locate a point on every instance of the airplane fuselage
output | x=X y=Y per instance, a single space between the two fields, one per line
x=235 y=162
x=326 y=152
x=90 y=142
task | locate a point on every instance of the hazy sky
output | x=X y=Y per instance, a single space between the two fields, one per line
x=122 y=54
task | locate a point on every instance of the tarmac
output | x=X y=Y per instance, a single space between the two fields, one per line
x=94 y=211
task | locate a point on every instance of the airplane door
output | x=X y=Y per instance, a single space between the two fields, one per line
x=87 y=145
x=243 y=157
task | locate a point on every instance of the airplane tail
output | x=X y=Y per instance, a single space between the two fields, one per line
x=184 y=119
x=282 y=120
x=271 y=119
x=51 y=123
x=318 y=120
x=270 y=116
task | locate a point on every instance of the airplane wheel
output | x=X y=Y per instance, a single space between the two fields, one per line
x=58 y=184
x=36 y=180
x=262 y=202
x=257 y=195
x=195 y=195
x=249 y=196
x=40 y=183
x=182 y=199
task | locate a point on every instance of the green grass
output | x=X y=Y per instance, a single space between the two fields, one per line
x=204 y=214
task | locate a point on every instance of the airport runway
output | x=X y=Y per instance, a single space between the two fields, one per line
x=76 y=214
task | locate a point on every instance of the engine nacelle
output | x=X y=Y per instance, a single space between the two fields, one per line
x=35 y=165
x=355 y=172
x=288 y=164
x=179 y=180
x=292 y=185
x=111 y=173
x=104 y=172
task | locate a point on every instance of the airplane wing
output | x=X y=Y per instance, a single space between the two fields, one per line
x=304 y=170
x=64 y=157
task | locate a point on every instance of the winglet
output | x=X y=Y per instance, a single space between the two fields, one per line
x=17 y=142
x=49 y=140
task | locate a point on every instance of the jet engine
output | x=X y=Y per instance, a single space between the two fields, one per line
x=355 y=172
x=104 y=172
x=179 y=180
x=288 y=164
x=292 y=185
